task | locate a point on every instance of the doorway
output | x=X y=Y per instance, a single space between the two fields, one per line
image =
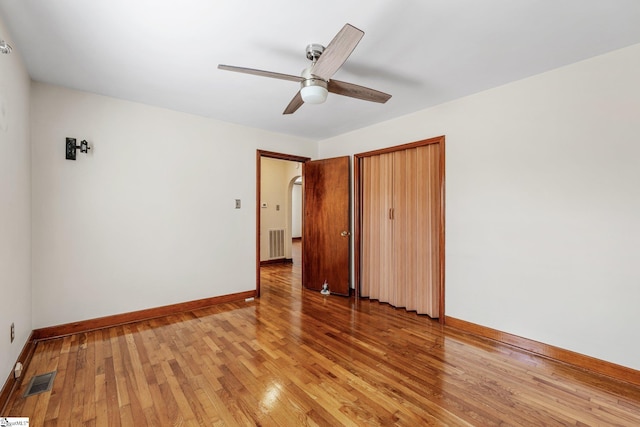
x=267 y=211
x=325 y=221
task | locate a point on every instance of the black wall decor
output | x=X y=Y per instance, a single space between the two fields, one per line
x=71 y=148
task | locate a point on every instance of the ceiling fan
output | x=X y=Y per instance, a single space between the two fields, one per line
x=315 y=81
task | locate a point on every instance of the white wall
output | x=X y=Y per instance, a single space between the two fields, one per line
x=15 y=206
x=542 y=203
x=148 y=217
x=294 y=207
x=296 y=211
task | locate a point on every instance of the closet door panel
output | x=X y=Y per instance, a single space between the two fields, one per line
x=428 y=272
x=370 y=281
x=397 y=215
x=376 y=263
x=410 y=238
x=435 y=202
x=401 y=231
x=387 y=267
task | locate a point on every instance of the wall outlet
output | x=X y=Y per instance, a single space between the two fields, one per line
x=13 y=332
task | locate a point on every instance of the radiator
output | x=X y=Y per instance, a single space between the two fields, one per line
x=276 y=243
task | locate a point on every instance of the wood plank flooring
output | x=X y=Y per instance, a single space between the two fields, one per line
x=296 y=358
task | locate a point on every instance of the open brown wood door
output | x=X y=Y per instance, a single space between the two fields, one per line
x=325 y=233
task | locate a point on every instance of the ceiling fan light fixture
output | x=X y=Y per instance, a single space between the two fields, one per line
x=314 y=94
x=314 y=91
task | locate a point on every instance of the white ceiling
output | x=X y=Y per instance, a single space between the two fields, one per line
x=423 y=52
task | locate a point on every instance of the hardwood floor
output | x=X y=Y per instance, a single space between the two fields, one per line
x=294 y=357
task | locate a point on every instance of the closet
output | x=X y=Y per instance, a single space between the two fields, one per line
x=399 y=247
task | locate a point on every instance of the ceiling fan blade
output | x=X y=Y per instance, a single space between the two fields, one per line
x=295 y=103
x=261 y=73
x=356 y=91
x=337 y=51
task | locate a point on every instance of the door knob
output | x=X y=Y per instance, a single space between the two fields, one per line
x=345 y=234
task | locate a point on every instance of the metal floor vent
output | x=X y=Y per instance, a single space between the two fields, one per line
x=40 y=384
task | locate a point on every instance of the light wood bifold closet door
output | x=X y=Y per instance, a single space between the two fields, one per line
x=400 y=239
